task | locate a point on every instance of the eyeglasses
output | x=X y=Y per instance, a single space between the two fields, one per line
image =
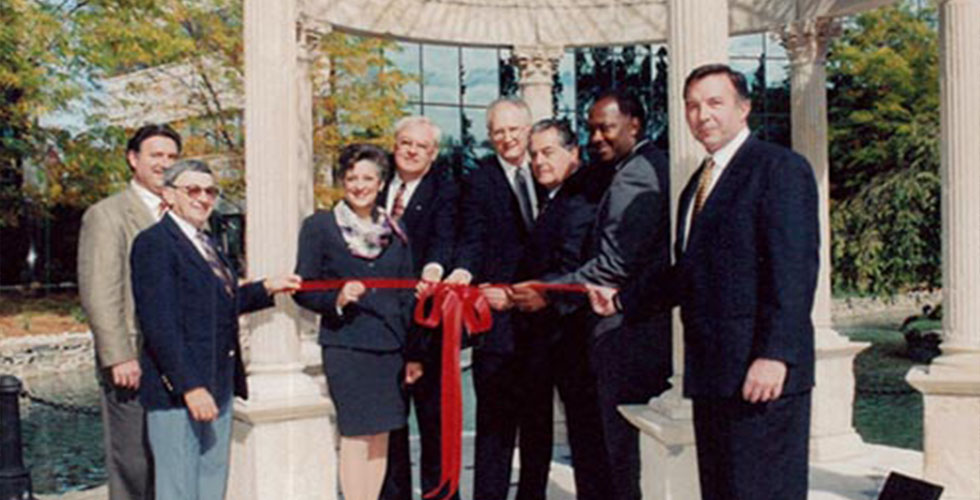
x=194 y=191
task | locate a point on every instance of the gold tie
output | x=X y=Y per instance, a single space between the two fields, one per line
x=703 y=185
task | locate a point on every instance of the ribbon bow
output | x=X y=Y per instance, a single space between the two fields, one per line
x=455 y=306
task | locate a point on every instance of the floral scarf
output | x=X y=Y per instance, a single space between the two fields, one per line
x=365 y=238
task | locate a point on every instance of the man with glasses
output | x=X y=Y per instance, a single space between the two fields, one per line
x=188 y=301
x=107 y=233
x=422 y=197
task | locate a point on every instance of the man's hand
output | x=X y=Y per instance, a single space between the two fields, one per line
x=764 y=381
x=201 y=405
x=350 y=292
x=527 y=298
x=459 y=277
x=431 y=274
x=413 y=371
x=282 y=284
x=126 y=374
x=498 y=297
x=603 y=299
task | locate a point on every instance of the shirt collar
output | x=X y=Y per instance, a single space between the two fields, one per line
x=510 y=167
x=186 y=227
x=724 y=155
x=149 y=198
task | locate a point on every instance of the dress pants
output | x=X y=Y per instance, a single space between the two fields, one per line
x=753 y=451
x=497 y=380
x=632 y=363
x=190 y=457
x=127 y=448
x=425 y=396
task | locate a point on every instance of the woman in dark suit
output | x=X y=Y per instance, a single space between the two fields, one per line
x=362 y=331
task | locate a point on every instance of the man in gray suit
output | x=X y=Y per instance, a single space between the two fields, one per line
x=108 y=230
x=630 y=356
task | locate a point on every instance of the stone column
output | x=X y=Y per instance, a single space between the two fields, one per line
x=951 y=385
x=537 y=66
x=283 y=438
x=697 y=34
x=832 y=436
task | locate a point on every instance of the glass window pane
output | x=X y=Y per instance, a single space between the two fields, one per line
x=776 y=72
x=447 y=118
x=566 y=75
x=481 y=76
x=774 y=49
x=477 y=118
x=440 y=64
x=746 y=45
x=406 y=58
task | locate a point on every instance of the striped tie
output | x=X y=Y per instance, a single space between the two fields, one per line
x=214 y=262
x=704 y=184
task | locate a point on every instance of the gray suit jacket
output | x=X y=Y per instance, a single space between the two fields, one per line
x=108 y=230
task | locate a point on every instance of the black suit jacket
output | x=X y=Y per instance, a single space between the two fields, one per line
x=746 y=278
x=430 y=217
x=491 y=240
x=189 y=324
x=381 y=319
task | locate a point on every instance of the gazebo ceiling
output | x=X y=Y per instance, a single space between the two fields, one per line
x=551 y=22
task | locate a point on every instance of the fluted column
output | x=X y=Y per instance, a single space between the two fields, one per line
x=537 y=66
x=832 y=436
x=697 y=34
x=282 y=434
x=951 y=385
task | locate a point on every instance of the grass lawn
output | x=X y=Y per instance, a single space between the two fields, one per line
x=886 y=409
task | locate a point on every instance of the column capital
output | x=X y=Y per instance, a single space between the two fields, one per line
x=806 y=40
x=309 y=35
x=537 y=63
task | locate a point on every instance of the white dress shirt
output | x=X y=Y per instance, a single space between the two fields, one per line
x=722 y=158
x=525 y=170
x=149 y=198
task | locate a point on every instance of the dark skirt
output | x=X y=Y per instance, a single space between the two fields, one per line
x=366 y=388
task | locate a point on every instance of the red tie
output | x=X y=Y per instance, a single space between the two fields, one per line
x=398 y=208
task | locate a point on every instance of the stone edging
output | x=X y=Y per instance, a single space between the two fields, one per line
x=44 y=354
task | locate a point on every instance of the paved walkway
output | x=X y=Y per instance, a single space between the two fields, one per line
x=859 y=478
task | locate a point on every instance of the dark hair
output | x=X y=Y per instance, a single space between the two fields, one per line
x=561 y=126
x=152 y=130
x=737 y=79
x=628 y=105
x=356 y=152
x=173 y=172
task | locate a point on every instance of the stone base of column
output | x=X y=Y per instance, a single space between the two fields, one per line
x=668 y=458
x=950 y=387
x=832 y=435
x=283 y=444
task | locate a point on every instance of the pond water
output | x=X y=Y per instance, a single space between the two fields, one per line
x=63 y=449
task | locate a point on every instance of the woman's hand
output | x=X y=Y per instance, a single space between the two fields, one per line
x=350 y=292
x=282 y=284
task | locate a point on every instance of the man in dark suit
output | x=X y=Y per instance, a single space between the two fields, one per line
x=498 y=208
x=746 y=272
x=631 y=358
x=424 y=199
x=108 y=230
x=187 y=302
x=553 y=330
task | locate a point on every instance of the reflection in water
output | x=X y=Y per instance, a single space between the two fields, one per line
x=63 y=449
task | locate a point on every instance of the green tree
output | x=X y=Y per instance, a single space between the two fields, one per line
x=884 y=150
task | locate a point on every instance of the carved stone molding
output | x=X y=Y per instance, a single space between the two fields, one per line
x=309 y=34
x=806 y=41
x=537 y=64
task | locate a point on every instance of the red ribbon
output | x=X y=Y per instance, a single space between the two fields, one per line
x=455 y=307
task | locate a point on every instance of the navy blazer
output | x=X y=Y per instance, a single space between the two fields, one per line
x=429 y=218
x=188 y=322
x=746 y=279
x=380 y=320
x=491 y=240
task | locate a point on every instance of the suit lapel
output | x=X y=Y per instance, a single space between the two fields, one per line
x=505 y=193
x=727 y=187
x=137 y=211
x=186 y=247
x=415 y=208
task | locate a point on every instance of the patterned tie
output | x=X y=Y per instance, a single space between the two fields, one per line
x=398 y=208
x=703 y=185
x=214 y=262
x=523 y=196
x=162 y=209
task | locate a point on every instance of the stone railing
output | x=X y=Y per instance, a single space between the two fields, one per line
x=43 y=354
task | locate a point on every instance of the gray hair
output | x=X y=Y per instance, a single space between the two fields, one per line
x=171 y=174
x=414 y=120
x=507 y=101
x=561 y=127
